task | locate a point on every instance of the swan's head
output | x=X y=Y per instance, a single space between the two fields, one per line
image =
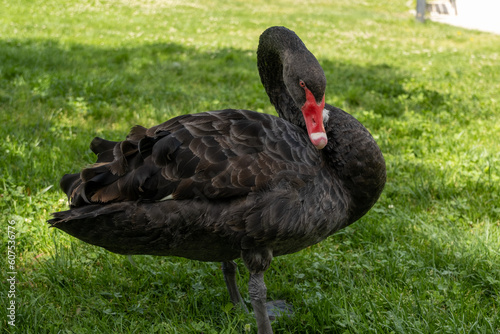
x=306 y=83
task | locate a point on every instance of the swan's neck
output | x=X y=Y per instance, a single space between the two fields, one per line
x=276 y=49
x=354 y=158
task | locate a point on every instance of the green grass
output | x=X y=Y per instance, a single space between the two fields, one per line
x=426 y=258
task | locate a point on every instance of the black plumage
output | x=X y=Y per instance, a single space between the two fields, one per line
x=228 y=184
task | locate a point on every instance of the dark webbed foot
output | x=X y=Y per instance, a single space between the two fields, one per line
x=278 y=308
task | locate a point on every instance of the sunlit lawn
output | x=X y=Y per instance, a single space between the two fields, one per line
x=424 y=260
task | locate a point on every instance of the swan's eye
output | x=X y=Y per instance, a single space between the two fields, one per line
x=302 y=83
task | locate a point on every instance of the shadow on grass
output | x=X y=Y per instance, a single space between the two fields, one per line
x=158 y=74
x=172 y=74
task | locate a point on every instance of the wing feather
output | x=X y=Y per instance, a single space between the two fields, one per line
x=210 y=155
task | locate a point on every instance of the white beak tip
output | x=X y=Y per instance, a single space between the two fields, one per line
x=318 y=139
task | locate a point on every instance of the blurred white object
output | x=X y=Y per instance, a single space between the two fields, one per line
x=471 y=14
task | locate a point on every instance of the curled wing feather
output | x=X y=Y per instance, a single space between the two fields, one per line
x=213 y=155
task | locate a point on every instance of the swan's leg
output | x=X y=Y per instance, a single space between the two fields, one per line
x=257 y=290
x=229 y=271
x=257 y=262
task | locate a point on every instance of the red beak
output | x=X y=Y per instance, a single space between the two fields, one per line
x=313 y=115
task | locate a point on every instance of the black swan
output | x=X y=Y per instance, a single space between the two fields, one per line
x=228 y=184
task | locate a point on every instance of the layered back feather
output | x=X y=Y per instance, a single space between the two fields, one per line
x=214 y=155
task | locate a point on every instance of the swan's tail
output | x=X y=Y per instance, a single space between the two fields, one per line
x=118 y=227
x=161 y=228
